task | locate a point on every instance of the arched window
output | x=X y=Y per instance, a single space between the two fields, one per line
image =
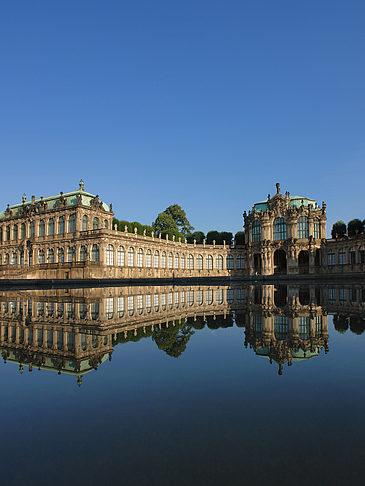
x=22 y=231
x=72 y=223
x=61 y=255
x=95 y=253
x=279 y=229
x=50 y=256
x=230 y=262
x=170 y=261
x=148 y=259
x=199 y=262
x=219 y=262
x=342 y=257
x=105 y=223
x=109 y=307
x=331 y=257
x=109 y=255
x=7 y=233
x=95 y=223
x=94 y=308
x=130 y=305
x=71 y=254
x=182 y=262
x=240 y=260
x=317 y=229
x=83 y=254
x=190 y=262
x=163 y=259
x=281 y=327
x=42 y=228
x=303 y=227
x=209 y=262
x=6 y=259
x=120 y=256
x=15 y=232
x=14 y=258
x=219 y=296
x=84 y=222
x=140 y=258
x=131 y=257
x=51 y=226
x=61 y=225
x=156 y=259
x=30 y=257
x=41 y=256
x=31 y=229
x=256 y=231
x=176 y=266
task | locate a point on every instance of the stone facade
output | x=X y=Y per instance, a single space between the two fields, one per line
x=70 y=236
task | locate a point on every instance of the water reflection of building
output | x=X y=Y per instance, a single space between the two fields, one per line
x=74 y=331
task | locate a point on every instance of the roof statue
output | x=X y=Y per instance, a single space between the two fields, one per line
x=277 y=188
x=81 y=185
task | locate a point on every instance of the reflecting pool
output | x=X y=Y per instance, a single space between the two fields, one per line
x=257 y=384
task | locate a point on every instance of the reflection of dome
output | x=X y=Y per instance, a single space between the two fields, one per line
x=297 y=355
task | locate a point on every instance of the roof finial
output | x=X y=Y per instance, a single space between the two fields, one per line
x=277 y=188
x=24 y=198
x=81 y=185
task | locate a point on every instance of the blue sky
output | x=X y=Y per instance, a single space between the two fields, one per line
x=202 y=103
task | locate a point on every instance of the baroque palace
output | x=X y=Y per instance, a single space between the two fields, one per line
x=71 y=236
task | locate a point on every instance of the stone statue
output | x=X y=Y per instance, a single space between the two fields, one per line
x=277 y=188
x=81 y=185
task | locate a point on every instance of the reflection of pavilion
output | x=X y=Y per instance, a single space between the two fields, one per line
x=288 y=326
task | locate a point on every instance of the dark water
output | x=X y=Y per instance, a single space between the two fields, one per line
x=206 y=386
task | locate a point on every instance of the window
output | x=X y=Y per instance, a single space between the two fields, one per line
x=31 y=229
x=240 y=262
x=230 y=262
x=256 y=231
x=50 y=256
x=331 y=257
x=51 y=226
x=304 y=327
x=131 y=257
x=190 y=262
x=163 y=301
x=109 y=255
x=72 y=223
x=6 y=259
x=240 y=296
x=22 y=231
x=279 y=229
x=148 y=302
x=61 y=255
x=361 y=256
x=109 y=307
x=84 y=223
x=95 y=253
x=342 y=257
x=105 y=223
x=170 y=261
x=176 y=266
x=209 y=296
x=176 y=299
x=156 y=259
x=42 y=231
x=15 y=232
x=95 y=223
x=130 y=305
x=209 y=262
x=83 y=254
x=94 y=309
x=230 y=296
x=61 y=225
x=120 y=256
x=343 y=296
x=317 y=229
x=182 y=262
x=219 y=262
x=155 y=302
x=281 y=327
x=120 y=308
x=190 y=297
x=303 y=227
x=163 y=259
x=332 y=295
x=199 y=262
x=14 y=258
x=139 y=304
x=148 y=259
x=219 y=296
x=140 y=258
x=41 y=256
x=71 y=254
x=352 y=256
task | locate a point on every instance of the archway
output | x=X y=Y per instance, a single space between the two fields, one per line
x=280 y=262
x=280 y=295
x=303 y=261
x=257 y=263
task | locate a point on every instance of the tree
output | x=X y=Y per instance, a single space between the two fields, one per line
x=199 y=236
x=354 y=227
x=166 y=225
x=227 y=237
x=212 y=236
x=173 y=340
x=239 y=238
x=338 y=229
x=179 y=216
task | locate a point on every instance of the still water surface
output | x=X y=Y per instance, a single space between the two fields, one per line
x=183 y=385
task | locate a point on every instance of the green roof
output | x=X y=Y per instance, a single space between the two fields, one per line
x=295 y=201
x=52 y=201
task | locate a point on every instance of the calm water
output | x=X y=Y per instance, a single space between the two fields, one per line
x=206 y=385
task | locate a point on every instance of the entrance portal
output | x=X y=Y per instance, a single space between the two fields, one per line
x=279 y=262
x=303 y=261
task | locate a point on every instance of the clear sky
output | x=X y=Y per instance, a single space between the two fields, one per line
x=202 y=103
